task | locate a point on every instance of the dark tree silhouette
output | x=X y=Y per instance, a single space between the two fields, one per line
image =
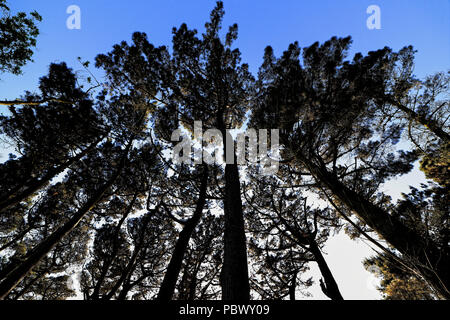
x=202 y=80
x=49 y=137
x=18 y=33
x=173 y=269
x=126 y=126
x=201 y=269
x=288 y=233
x=90 y=188
x=330 y=112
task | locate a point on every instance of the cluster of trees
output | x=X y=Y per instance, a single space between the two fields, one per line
x=91 y=198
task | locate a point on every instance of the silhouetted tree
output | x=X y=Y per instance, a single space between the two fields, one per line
x=202 y=265
x=90 y=188
x=287 y=234
x=49 y=137
x=127 y=251
x=202 y=80
x=18 y=33
x=173 y=269
x=330 y=113
x=127 y=126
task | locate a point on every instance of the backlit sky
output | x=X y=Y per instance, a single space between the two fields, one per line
x=421 y=23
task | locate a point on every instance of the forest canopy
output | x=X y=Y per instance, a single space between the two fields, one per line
x=91 y=193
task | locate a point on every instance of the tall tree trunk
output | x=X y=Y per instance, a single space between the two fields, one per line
x=173 y=270
x=36 y=184
x=428 y=260
x=430 y=124
x=25 y=289
x=183 y=285
x=330 y=287
x=234 y=277
x=41 y=250
x=293 y=286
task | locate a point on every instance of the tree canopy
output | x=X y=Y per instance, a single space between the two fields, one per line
x=18 y=35
x=92 y=194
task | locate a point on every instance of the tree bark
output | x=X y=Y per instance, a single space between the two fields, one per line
x=173 y=270
x=293 y=287
x=234 y=277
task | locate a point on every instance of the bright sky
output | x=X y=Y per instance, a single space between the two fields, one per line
x=424 y=24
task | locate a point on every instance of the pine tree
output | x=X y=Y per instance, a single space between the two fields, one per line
x=330 y=113
x=202 y=80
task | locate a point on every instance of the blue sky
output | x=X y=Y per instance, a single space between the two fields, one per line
x=421 y=23
x=424 y=24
